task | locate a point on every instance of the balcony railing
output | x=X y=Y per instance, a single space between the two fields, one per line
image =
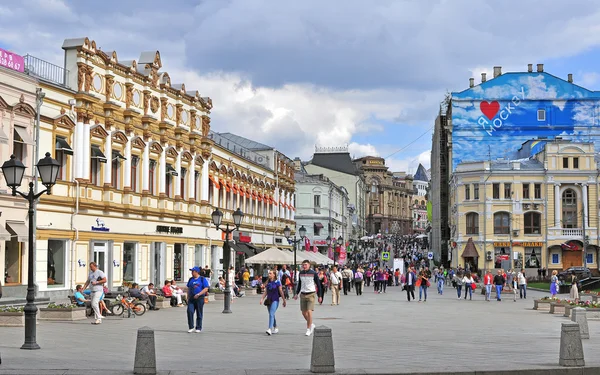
x=47 y=71
x=572 y=232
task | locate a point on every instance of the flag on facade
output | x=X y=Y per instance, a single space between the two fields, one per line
x=307 y=243
x=568 y=246
x=315 y=249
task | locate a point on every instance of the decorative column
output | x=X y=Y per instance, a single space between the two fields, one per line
x=86 y=148
x=192 y=179
x=146 y=168
x=108 y=164
x=162 y=172
x=178 y=178
x=584 y=188
x=204 y=181
x=127 y=164
x=557 y=206
x=79 y=148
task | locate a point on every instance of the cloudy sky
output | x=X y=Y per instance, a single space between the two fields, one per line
x=293 y=74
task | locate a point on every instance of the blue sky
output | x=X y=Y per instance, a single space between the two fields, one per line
x=296 y=74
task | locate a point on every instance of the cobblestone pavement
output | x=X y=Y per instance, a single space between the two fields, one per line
x=373 y=331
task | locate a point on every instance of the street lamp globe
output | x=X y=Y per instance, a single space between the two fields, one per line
x=13 y=171
x=217 y=217
x=238 y=215
x=340 y=241
x=328 y=240
x=48 y=169
x=302 y=231
x=287 y=232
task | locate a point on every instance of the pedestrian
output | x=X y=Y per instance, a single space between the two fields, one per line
x=346 y=278
x=308 y=286
x=468 y=282
x=574 y=292
x=488 y=282
x=515 y=286
x=148 y=291
x=376 y=276
x=397 y=276
x=499 y=282
x=522 y=284
x=458 y=281
x=358 y=280
x=197 y=288
x=96 y=280
x=368 y=277
x=554 y=284
x=246 y=279
x=424 y=284
x=440 y=281
x=324 y=284
x=335 y=279
x=411 y=279
x=270 y=299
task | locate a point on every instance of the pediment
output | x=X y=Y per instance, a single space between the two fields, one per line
x=156 y=148
x=98 y=131
x=186 y=156
x=24 y=109
x=138 y=142
x=63 y=121
x=120 y=137
x=171 y=152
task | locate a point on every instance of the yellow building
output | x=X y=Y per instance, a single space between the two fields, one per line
x=141 y=173
x=537 y=212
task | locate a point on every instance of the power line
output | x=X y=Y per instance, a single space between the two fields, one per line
x=413 y=141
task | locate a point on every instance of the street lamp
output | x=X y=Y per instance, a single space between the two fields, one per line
x=217 y=218
x=287 y=233
x=13 y=171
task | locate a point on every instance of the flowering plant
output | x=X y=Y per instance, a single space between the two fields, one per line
x=589 y=304
x=12 y=309
x=549 y=299
x=62 y=306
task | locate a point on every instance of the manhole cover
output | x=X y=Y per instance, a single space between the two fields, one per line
x=361 y=322
x=329 y=318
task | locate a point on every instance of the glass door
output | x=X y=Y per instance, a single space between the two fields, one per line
x=129 y=264
x=158 y=268
x=100 y=256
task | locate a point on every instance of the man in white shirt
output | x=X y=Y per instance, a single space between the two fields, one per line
x=148 y=291
x=96 y=280
x=335 y=279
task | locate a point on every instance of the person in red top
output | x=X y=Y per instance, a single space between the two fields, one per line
x=488 y=281
x=168 y=293
x=397 y=276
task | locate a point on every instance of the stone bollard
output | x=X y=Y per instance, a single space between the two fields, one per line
x=578 y=315
x=322 y=359
x=145 y=352
x=571 y=348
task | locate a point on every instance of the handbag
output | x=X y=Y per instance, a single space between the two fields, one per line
x=418 y=283
x=428 y=284
x=473 y=286
x=267 y=302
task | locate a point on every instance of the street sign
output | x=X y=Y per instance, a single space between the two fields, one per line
x=385 y=255
x=430 y=255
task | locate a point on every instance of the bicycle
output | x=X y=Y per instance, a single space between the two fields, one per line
x=131 y=305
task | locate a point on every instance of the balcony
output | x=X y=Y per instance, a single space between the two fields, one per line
x=571 y=233
x=46 y=71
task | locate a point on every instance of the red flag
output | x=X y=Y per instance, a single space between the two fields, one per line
x=307 y=243
x=315 y=250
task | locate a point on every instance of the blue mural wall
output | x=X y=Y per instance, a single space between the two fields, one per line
x=498 y=117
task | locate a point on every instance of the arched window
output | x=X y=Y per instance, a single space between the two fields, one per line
x=533 y=223
x=472 y=223
x=422 y=203
x=374 y=187
x=501 y=223
x=569 y=209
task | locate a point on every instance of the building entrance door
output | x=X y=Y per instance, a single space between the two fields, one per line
x=100 y=256
x=572 y=259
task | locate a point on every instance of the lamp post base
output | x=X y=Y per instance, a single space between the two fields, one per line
x=30 y=329
x=227 y=302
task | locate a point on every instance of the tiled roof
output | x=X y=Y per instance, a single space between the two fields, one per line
x=337 y=161
x=245 y=142
x=470 y=250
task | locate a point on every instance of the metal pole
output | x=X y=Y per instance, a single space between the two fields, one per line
x=295 y=269
x=226 y=265
x=30 y=308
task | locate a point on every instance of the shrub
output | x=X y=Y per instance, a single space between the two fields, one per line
x=12 y=309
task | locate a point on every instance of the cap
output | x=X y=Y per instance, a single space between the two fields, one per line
x=197 y=269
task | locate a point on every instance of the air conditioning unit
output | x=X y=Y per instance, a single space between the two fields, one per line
x=488 y=255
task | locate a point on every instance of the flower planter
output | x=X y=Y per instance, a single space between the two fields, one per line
x=68 y=315
x=557 y=308
x=12 y=319
x=542 y=304
x=592 y=313
x=568 y=309
x=164 y=303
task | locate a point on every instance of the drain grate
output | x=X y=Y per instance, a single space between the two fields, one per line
x=361 y=322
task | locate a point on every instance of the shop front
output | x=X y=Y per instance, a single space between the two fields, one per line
x=572 y=254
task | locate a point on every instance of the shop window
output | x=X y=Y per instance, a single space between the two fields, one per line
x=472 y=223
x=198 y=256
x=507 y=191
x=476 y=191
x=533 y=223
x=178 y=262
x=128 y=264
x=537 y=189
x=56 y=262
x=13 y=258
x=501 y=223
x=525 y=191
x=467 y=193
x=496 y=191
x=501 y=254
x=555 y=258
x=533 y=257
x=589 y=258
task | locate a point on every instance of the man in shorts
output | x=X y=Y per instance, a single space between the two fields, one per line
x=308 y=288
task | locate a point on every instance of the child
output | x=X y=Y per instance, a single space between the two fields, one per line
x=514 y=286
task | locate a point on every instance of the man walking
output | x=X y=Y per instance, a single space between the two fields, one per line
x=346 y=276
x=499 y=283
x=197 y=288
x=308 y=288
x=411 y=278
x=487 y=282
x=96 y=280
x=335 y=279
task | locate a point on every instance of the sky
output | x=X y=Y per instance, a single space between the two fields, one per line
x=295 y=74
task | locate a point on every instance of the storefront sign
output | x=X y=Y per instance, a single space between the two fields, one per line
x=528 y=244
x=168 y=229
x=100 y=226
x=501 y=244
x=245 y=237
x=12 y=61
x=320 y=242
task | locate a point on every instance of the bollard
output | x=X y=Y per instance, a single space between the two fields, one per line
x=579 y=316
x=322 y=359
x=145 y=352
x=571 y=348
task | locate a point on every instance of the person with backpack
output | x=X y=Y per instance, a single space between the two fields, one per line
x=197 y=288
x=286 y=282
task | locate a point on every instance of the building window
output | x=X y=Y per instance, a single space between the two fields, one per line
x=555 y=258
x=533 y=257
x=196 y=179
x=476 y=191
x=97 y=157
x=525 y=191
x=151 y=179
x=501 y=223
x=569 y=209
x=575 y=163
x=507 y=192
x=170 y=173
x=472 y=223
x=467 y=193
x=178 y=262
x=501 y=254
x=182 y=183
x=211 y=193
x=589 y=258
x=61 y=158
x=117 y=158
x=317 y=204
x=128 y=264
x=19 y=146
x=56 y=262
x=134 y=173
x=537 y=191
x=565 y=163
x=533 y=223
x=541 y=115
x=496 y=191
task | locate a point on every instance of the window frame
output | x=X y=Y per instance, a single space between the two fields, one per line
x=542 y=112
x=529 y=226
x=526 y=189
x=575 y=162
x=476 y=191
x=495 y=191
x=152 y=177
x=472 y=223
x=565 y=163
x=502 y=229
x=467 y=192
x=537 y=191
x=507 y=189
x=135 y=160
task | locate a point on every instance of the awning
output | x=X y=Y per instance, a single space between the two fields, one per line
x=171 y=170
x=4 y=234
x=18 y=229
x=470 y=250
x=63 y=145
x=97 y=154
x=215 y=182
x=117 y=155
x=22 y=132
x=3 y=136
x=228 y=186
x=319 y=225
x=245 y=249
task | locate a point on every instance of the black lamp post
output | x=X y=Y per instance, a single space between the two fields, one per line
x=340 y=241
x=217 y=218
x=328 y=241
x=13 y=171
x=302 y=232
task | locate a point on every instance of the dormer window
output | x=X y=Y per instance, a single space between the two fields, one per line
x=541 y=115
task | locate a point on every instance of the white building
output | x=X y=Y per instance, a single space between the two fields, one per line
x=421 y=186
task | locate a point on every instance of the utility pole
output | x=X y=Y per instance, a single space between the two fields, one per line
x=584 y=240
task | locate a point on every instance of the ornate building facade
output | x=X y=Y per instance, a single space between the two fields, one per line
x=389 y=197
x=141 y=173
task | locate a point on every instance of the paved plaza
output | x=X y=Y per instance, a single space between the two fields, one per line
x=376 y=332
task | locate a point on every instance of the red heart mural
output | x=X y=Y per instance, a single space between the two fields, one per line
x=489 y=109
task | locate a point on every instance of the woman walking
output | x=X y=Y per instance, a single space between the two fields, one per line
x=574 y=292
x=358 y=280
x=324 y=282
x=458 y=280
x=368 y=275
x=469 y=282
x=376 y=277
x=270 y=299
x=554 y=284
x=424 y=285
